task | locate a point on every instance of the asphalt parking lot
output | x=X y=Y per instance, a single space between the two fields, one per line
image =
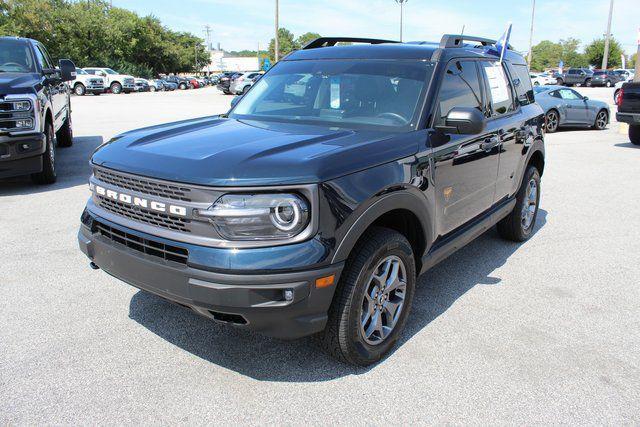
x=544 y=332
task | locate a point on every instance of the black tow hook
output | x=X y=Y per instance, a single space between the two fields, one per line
x=94 y=266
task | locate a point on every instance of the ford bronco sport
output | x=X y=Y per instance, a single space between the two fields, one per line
x=315 y=203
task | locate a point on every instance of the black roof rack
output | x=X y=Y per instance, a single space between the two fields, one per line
x=456 y=40
x=332 y=41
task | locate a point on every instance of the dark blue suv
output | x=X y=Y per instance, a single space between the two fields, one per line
x=315 y=203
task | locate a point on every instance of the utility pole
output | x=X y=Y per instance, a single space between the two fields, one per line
x=401 y=3
x=533 y=14
x=277 y=44
x=607 y=39
x=636 y=78
x=207 y=30
x=195 y=49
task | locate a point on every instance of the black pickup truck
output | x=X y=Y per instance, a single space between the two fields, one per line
x=629 y=109
x=35 y=109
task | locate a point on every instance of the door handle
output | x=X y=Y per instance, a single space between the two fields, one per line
x=489 y=143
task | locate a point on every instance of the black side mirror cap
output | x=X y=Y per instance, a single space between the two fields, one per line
x=464 y=121
x=67 y=70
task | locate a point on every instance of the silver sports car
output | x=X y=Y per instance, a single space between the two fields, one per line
x=566 y=107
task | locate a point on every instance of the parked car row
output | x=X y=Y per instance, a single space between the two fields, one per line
x=587 y=77
x=97 y=80
x=237 y=83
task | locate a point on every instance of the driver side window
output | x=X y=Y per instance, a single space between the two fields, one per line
x=460 y=88
x=41 y=58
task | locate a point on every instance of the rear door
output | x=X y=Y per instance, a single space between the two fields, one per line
x=56 y=87
x=465 y=166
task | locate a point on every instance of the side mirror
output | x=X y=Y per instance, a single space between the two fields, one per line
x=67 y=70
x=464 y=121
x=235 y=100
x=585 y=98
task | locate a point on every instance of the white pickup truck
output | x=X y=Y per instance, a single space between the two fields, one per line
x=87 y=83
x=117 y=83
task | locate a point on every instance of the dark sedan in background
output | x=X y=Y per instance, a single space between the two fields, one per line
x=566 y=107
x=606 y=78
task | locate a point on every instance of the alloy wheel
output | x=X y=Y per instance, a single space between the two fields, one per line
x=601 y=120
x=383 y=300
x=530 y=204
x=552 y=121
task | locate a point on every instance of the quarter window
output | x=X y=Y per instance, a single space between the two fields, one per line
x=460 y=88
x=499 y=89
x=524 y=89
x=569 y=94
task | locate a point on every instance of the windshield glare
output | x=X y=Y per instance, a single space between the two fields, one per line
x=366 y=94
x=109 y=71
x=15 y=57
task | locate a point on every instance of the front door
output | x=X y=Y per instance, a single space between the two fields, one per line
x=465 y=166
x=575 y=106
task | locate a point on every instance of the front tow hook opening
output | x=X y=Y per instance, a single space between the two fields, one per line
x=94 y=266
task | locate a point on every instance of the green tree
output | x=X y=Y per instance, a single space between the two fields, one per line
x=595 y=53
x=286 y=43
x=306 y=38
x=548 y=54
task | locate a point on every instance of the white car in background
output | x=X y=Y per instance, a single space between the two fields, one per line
x=618 y=87
x=87 y=83
x=116 y=82
x=542 y=79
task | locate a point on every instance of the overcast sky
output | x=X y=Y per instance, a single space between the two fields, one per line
x=242 y=24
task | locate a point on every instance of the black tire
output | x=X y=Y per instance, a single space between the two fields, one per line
x=97 y=93
x=513 y=227
x=342 y=337
x=560 y=82
x=64 y=136
x=634 y=134
x=152 y=88
x=116 y=88
x=587 y=83
x=602 y=119
x=245 y=89
x=226 y=92
x=552 y=121
x=608 y=83
x=79 y=89
x=48 y=174
x=182 y=86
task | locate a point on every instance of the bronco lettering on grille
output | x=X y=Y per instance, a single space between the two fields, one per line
x=128 y=199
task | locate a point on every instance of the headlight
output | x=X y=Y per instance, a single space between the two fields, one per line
x=259 y=216
x=21 y=105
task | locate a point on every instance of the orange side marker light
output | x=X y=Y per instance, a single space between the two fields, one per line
x=325 y=282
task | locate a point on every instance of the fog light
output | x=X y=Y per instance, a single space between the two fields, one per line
x=288 y=295
x=24 y=123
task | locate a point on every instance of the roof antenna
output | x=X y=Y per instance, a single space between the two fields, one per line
x=462 y=32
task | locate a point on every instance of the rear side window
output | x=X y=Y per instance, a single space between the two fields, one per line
x=499 y=88
x=460 y=88
x=522 y=82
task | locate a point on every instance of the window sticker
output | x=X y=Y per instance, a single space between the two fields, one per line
x=335 y=93
x=497 y=83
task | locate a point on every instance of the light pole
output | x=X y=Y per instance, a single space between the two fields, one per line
x=607 y=39
x=401 y=3
x=277 y=45
x=533 y=14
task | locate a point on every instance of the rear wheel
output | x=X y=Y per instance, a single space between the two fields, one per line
x=602 y=118
x=552 y=120
x=519 y=224
x=608 y=83
x=116 y=88
x=245 y=89
x=560 y=82
x=373 y=298
x=587 y=83
x=152 y=88
x=182 y=86
x=634 y=134
x=79 y=89
x=48 y=174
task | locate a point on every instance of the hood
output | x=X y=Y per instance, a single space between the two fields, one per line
x=16 y=83
x=218 y=151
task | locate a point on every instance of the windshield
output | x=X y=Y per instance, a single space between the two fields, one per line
x=369 y=94
x=16 y=57
x=109 y=71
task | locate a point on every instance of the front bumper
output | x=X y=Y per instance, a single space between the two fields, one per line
x=243 y=299
x=631 y=118
x=21 y=155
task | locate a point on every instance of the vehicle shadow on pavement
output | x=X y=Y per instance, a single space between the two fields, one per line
x=269 y=359
x=72 y=165
x=628 y=145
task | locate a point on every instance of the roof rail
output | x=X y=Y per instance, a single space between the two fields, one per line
x=456 y=40
x=332 y=41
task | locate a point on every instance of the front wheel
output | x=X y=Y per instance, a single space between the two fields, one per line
x=372 y=300
x=48 y=174
x=634 y=134
x=519 y=224
x=560 y=82
x=152 y=89
x=552 y=120
x=602 y=118
x=116 y=88
x=79 y=89
x=182 y=86
x=608 y=83
x=587 y=83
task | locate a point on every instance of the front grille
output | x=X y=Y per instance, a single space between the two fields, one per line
x=146 y=246
x=128 y=81
x=148 y=217
x=141 y=185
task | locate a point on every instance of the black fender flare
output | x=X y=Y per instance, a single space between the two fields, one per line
x=403 y=199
